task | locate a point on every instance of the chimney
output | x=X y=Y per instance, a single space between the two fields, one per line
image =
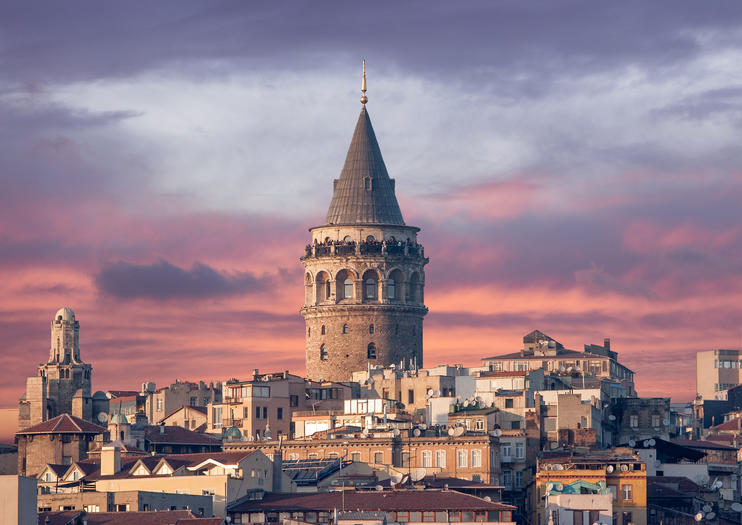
x=607 y=343
x=276 y=456
x=255 y=374
x=110 y=460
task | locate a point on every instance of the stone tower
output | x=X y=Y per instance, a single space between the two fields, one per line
x=364 y=275
x=63 y=382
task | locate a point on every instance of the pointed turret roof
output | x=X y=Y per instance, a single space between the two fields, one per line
x=364 y=193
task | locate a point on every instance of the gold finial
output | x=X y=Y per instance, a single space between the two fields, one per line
x=364 y=98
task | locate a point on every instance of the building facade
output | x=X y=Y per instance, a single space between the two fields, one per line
x=364 y=275
x=717 y=371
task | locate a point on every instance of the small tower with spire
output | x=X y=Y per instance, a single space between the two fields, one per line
x=364 y=271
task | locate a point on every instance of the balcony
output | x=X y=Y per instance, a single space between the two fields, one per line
x=348 y=249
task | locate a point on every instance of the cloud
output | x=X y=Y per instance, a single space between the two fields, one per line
x=163 y=281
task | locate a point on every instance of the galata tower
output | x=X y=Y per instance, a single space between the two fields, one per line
x=364 y=277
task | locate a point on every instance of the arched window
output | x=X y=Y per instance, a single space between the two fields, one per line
x=348 y=238
x=370 y=238
x=309 y=331
x=345 y=328
x=371 y=329
x=348 y=288
x=391 y=289
x=371 y=351
x=370 y=289
x=323 y=287
x=322 y=330
x=367 y=183
x=323 y=353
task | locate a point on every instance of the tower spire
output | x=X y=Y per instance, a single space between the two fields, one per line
x=364 y=98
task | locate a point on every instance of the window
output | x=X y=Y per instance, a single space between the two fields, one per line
x=577 y=517
x=48 y=476
x=505 y=449
x=367 y=183
x=479 y=424
x=345 y=328
x=265 y=412
x=633 y=421
x=347 y=238
x=515 y=425
x=461 y=459
x=655 y=420
x=309 y=332
x=322 y=330
x=440 y=458
x=509 y=402
x=391 y=289
x=627 y=518
x=257 y=412
x=355 y=456
x=427 y=458
x=378 y=458
x=193 y=401
x=519 y=450
x=518 y=478
x=507 y=478
x=279 y=415
x=371 y=351
x=348 y=288
x=370 y=289
x=370 y=329
x=159 y=403
x=626 y=492
x=476 y=458
x=323 y=353
x=411 y=396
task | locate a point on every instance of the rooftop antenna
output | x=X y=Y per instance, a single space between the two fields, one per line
x=364 y=98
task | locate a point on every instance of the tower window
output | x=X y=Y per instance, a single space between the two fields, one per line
x=370 y=238
x=323 y=353
x=309 y=331
x=367 y=183
x=370 y=289
x=322 y=330
x=348 y=288
x=391 y=289
x=371 y=351
x=348 y=239
x=370 y=329
x=345 y=328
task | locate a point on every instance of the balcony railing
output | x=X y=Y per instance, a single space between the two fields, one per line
x=346 y=249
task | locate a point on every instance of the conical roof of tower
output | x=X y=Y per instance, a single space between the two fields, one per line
x=364 y=193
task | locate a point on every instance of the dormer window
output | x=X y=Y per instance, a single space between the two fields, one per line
x=367 y=183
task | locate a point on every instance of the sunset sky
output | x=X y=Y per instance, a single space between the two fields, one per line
x=575 y=167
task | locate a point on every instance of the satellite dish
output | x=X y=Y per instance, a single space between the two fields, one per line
x=416 y=432
x=466 y=402
x=379 y=488
x=652 y=442
x=612 y=417
x=437 y=393
x=423 y=426
x=717 y=485
x=698 y=516
x=364 y=433
x=609 y=469
x=404 y=480
x=558 y=467
x=459 y=431
x=710 y=515
x=624 y=468
x=666 y=422
x=430 y=393
x=395 y=432
x=632 y=443
x=706 y=508
x=497 y=432
x=102 y=417
x=417 y=474
x=487 y=498
x=559 y=486
x=396 y=478
x=549 y=486
x=737 y=507
x=554 y=445
x=645 y=444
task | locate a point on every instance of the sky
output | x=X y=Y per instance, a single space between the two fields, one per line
x=575 y=167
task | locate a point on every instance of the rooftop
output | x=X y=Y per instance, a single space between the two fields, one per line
x=63 y=424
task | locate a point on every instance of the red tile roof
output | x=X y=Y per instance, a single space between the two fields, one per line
x=698 y=443
x=732 y=424
x=200 y=521
x=59 y=518
x=386 y=500
x=64 y=424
